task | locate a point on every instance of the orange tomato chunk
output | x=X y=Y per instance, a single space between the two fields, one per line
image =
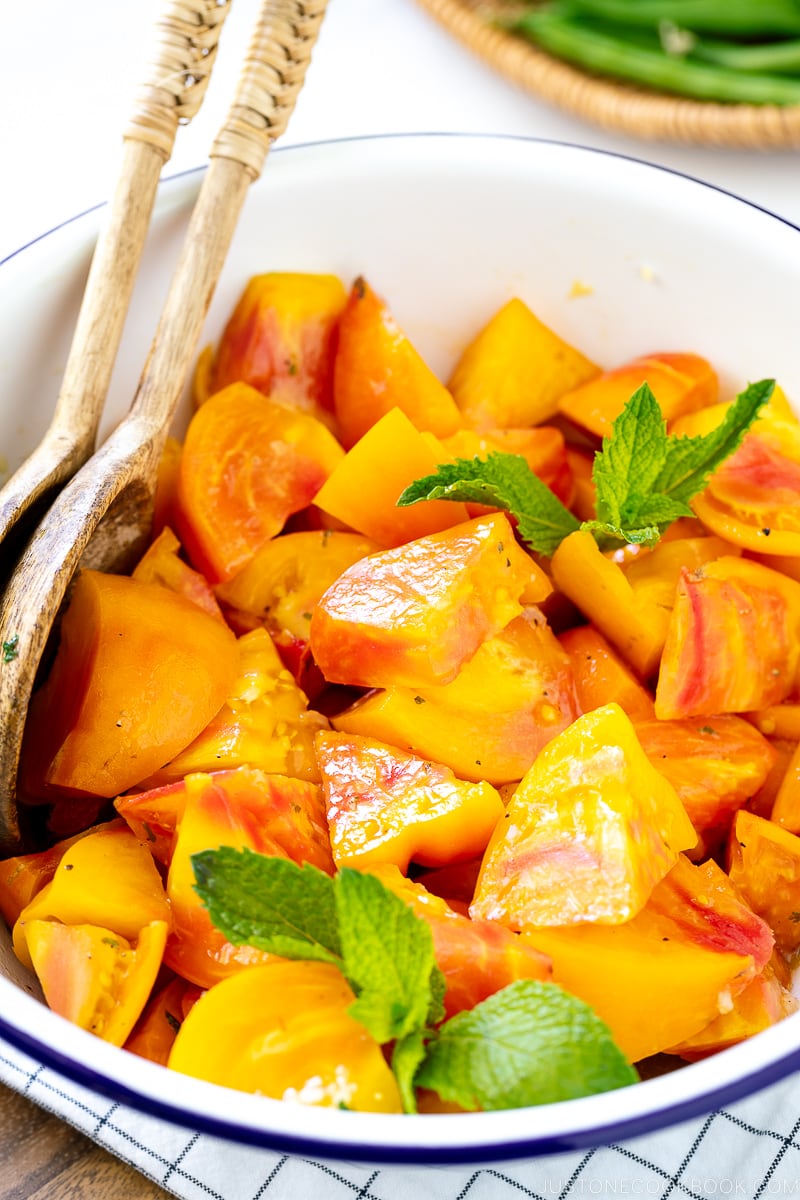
x=764 y=863
x=514 y=371
x=387 y=806
x=681 y=383
x=415 y=614
x=283 y=1030
x=139 y=672
x=248 y=463
x=715 y=765
x=364 y=489
x=529 y=679
x=377 y=369
x=601 y=676
x=589 y=832
x=162 y=564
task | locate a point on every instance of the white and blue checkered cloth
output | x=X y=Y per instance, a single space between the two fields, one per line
x=749 y=1150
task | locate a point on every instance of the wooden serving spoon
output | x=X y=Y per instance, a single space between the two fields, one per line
x=102 y=517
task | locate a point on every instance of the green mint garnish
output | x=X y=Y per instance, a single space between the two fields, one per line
x=530 y=1043
x=644 y=477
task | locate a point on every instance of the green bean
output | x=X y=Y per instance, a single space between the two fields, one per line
x=780 y=57
x=565 y=37
x=734 y=18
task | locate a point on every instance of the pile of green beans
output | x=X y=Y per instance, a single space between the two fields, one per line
x=729 y=51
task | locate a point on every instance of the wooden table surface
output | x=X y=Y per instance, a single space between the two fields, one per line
x=42 y=1158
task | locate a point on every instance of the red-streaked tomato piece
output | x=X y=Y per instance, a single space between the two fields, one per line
x=412 y=616
x=715 y=764
x=698 y=961
x=589 y=832
x=388 y=806
x=283 y=1030
x=733 y=642
x=245 y=808
x=281 y=339
x=248 y=463
x=93 y=976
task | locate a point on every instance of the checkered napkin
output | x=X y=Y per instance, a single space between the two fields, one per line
x=749 y=1150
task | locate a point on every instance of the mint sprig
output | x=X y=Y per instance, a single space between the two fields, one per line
x=530 y=1043
x=644 y=477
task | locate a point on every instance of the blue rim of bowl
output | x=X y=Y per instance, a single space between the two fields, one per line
x=496 y=1150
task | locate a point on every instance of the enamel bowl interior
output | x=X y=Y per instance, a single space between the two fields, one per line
x=447 y=228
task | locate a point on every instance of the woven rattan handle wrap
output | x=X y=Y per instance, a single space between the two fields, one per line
x=187 y=35
x=271 y=79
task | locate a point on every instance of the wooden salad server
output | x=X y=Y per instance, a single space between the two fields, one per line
x=176 y=79
x=102 y=517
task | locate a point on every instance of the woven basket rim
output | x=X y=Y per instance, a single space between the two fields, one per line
x=654 y=116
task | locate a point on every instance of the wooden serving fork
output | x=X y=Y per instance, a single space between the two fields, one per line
x=187 y=36
x=102 y=516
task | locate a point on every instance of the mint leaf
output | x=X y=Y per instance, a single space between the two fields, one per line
x=388 y=956
x=644 y=477
x=630 y=458
x=500 y=481
x=270 y=903
x=690 y=461
x=531 y=1043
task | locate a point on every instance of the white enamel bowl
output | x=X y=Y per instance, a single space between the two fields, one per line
x=447 y=228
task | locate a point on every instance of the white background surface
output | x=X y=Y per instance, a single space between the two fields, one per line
x=69 y=72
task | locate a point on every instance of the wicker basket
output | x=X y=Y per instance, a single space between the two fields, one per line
x=650 y=115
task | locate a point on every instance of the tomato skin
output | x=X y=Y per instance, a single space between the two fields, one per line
x=412 y=616
x=283 y=1030
x=387 y=806
x=248 y=463
x=139 y=672
x=162 y=564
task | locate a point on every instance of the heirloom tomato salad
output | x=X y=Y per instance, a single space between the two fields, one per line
x=442 y=751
